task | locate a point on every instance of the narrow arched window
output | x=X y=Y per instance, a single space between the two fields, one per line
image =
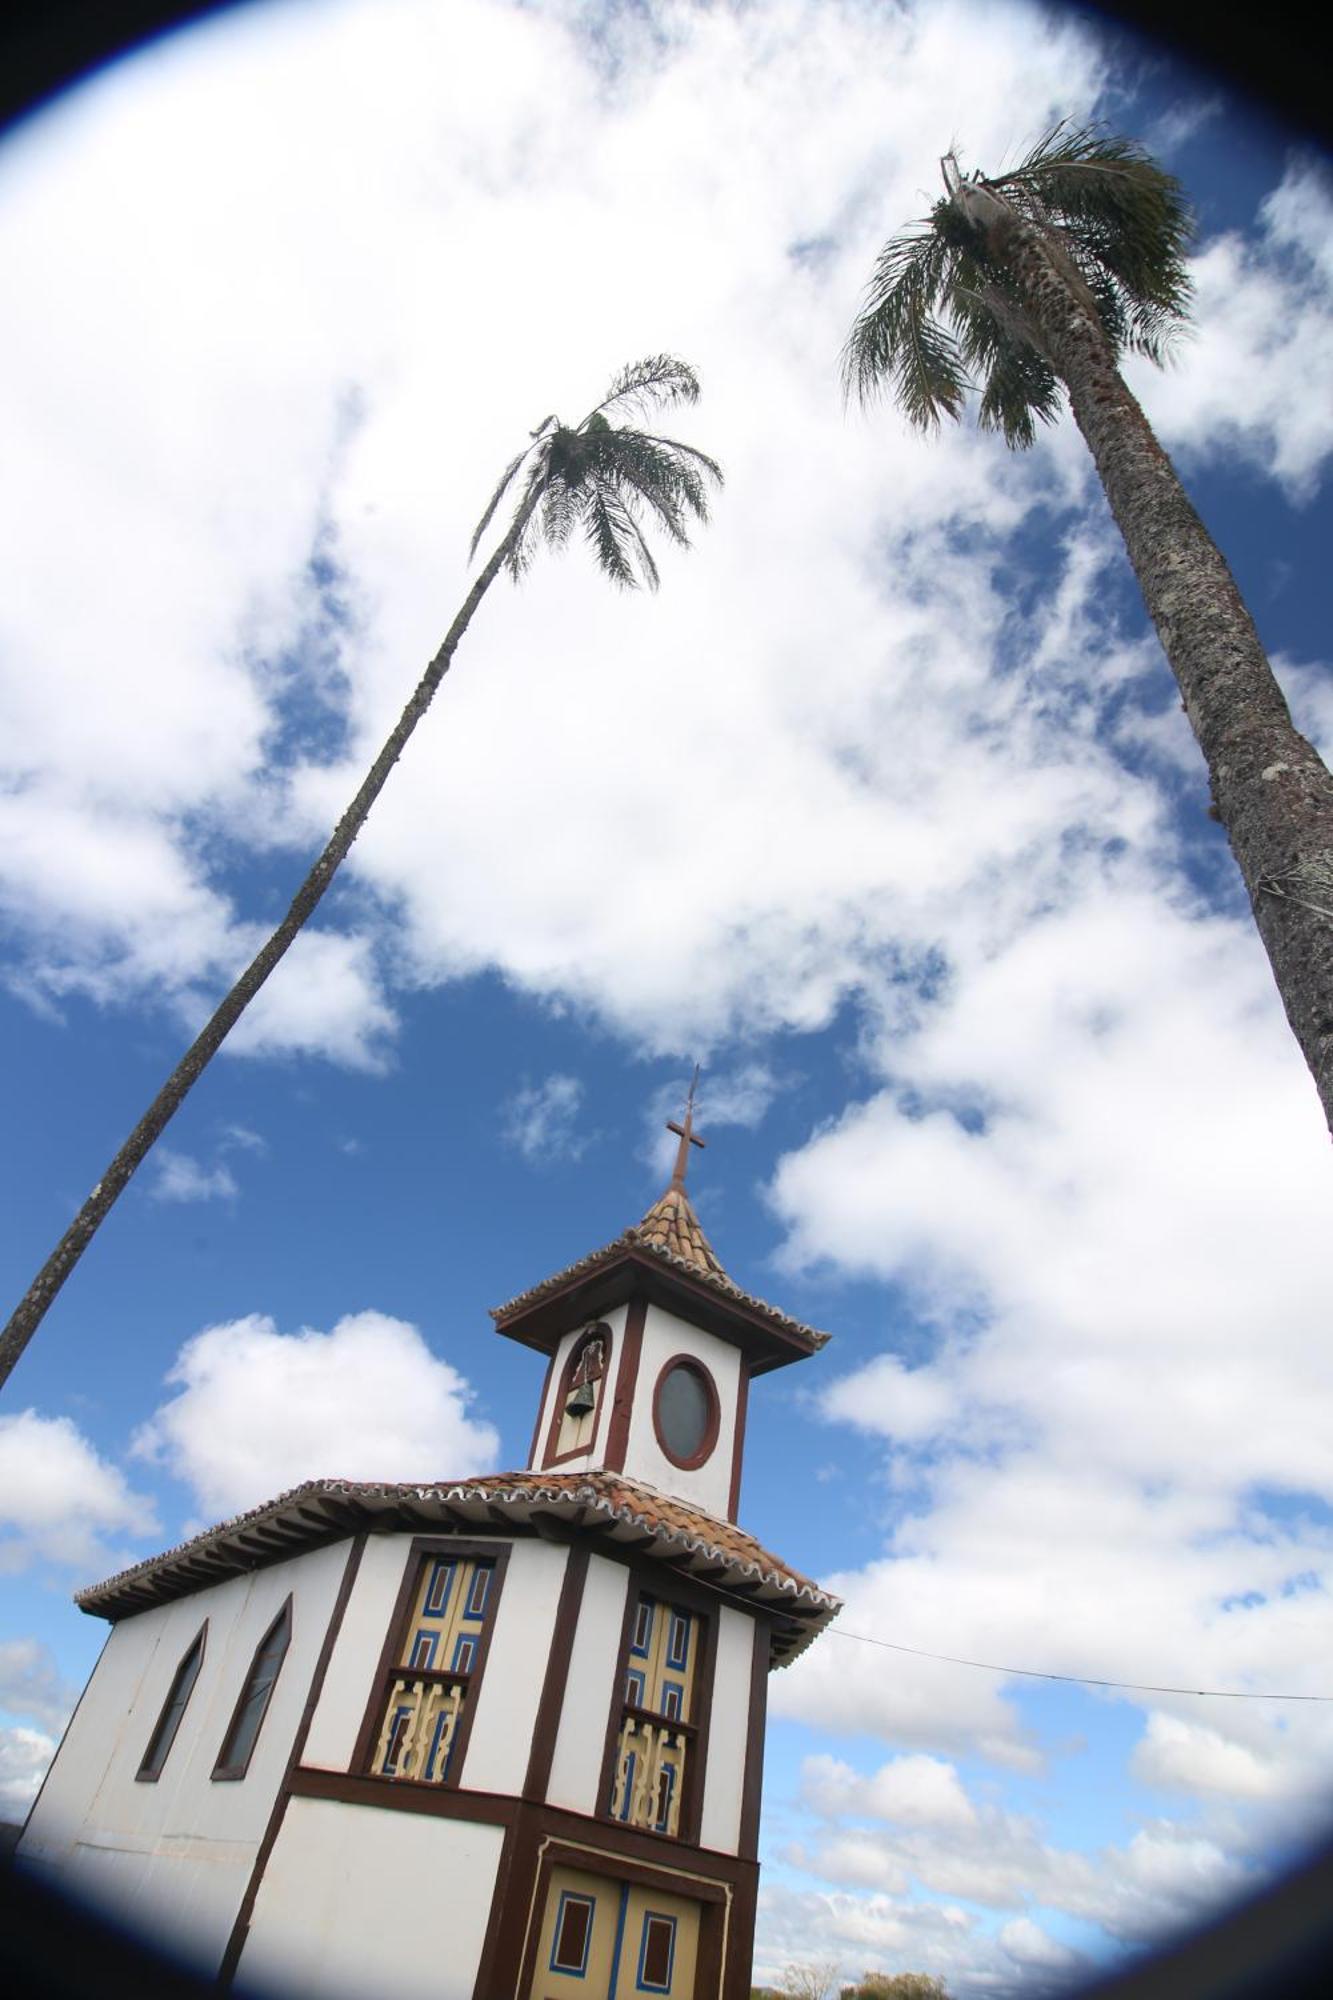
x=173 y=1708
x=247 y=1719
x=576 y=1412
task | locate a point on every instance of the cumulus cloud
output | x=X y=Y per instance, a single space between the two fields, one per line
x=540 y=1120
x=60 y=1501
x=32 y=1686
x=738 y=1095
x=928 y=1836
x=180 y=1177
x=258 y=1411
x=1264 y=333
x=912 y=1791
x=24 y=1757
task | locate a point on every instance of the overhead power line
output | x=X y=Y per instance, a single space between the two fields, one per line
x=1074 y=1680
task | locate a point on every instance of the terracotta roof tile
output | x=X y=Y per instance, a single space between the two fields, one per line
x=672 y=1225
x=326 y=1509
x=671 y=1231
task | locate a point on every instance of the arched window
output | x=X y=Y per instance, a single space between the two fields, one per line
x=173 y=1708
x=578 y=1402
x=247 y=1719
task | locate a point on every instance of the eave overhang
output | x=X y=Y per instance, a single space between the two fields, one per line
x=621 y=1514
x=767 y=1337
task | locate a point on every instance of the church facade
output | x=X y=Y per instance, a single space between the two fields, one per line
x=493 y=1739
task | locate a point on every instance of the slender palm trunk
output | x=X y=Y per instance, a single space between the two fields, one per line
x=187 y=1072
x=1271 y=791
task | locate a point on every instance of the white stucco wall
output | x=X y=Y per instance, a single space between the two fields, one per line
x=511 y=1687
x=576 y=1767
x=356 y=1653
x=362 y=1903
x=724 y=1780
x=664 y=1335
x=136 y=1849
x=615 y=1319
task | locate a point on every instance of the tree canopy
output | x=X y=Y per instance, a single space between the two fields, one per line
x=946 y=317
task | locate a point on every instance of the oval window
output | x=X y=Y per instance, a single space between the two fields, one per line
x=685 y=1412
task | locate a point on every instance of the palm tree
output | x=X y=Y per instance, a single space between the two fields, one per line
x=602 y=477
x=1040 y=279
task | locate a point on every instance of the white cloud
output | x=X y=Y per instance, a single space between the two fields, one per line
x=1264 y=334
x=232 y=465
x=60 y=1502
x=180 y=1177
x=908 y=1791
x=1163 y=1876
x=31 y=1684
x=242 y=1139
x=258 y=1411
x=735 y=1096
x=24 y=1757
x=541 y=1120
x=1033 y=1948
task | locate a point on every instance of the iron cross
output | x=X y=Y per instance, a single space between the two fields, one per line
x=688 y=1136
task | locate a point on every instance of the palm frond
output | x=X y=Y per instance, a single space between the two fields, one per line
x=519 y=558
x=910 y=272
x=896 y=339
x=944 y=313
x=658 y=382
x=505 y=478
x=616 y=538
x=1020 y=386
x=1129 y=214
x=600 y=476
x=669 y=477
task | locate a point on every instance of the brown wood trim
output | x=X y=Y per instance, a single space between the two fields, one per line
x=368 y=1734
x=499 y=1555
x=762 y=1335
x=222 y=1772
x=545 y=1855
x=631 y=1348
x=696 y=1762
x=143 y=1776
x=736 y=1975
x=240 y=1929
x=554 y=1457
x=487 y=1984
x=537 y=1420
x=651 y=1582
x=738 y=1441
x=422 y=1549
x=752 y=1786
x=708 y=1444
x=552 y=1702
x=656 y=1874
x=633 y=1588
x=714 y=1937
x=358 y=1788
x=551 y=1836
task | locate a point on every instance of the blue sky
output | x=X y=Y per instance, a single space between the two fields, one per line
x=883 y=809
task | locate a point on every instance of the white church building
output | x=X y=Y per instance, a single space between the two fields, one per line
x=488 y=1739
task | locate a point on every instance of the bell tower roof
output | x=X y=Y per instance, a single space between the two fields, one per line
x=666 y=1259
x=672 y=1226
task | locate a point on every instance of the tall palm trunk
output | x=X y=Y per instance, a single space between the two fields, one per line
x=1271 y=791
x=187 y=1072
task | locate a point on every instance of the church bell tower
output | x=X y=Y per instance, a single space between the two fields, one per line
x=651 y=1350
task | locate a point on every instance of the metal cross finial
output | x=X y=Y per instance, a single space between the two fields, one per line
x=688 y=1137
